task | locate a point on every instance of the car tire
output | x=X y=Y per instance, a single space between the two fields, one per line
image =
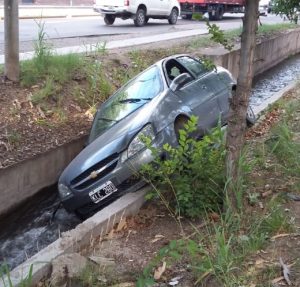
x=251 y=117
x=173 y=17
x=140 y=18
x=179 y=125
x=81 y=216
x=109 y=19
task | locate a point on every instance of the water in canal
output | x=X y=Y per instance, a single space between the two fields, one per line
x=32 y=228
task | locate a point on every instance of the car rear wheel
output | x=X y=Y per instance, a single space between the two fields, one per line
x=173 y=16
x=140 y=18
x=251 y=117
x=109 y=19
x=179 y=125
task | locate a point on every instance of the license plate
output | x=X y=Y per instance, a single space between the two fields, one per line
x=102 y=192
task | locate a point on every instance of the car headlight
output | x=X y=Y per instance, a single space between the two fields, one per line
x=137 y=144
x=63 y=190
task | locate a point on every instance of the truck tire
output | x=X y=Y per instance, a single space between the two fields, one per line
x=173 y=17
x=109 y=19
x=188 y=16
x=218 y=14
x=140 y=18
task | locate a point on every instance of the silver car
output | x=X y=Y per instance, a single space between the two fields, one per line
x=156 y=104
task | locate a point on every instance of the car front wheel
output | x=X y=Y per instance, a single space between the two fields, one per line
x=173 y=17
x=140 y=18
x=251 y=117
x=109 y=19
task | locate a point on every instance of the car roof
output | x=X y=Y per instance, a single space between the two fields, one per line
x=162 y=61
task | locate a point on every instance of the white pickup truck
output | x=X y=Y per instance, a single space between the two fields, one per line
x=138 y=10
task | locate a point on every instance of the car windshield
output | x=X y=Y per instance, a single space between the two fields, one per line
x=126 y=100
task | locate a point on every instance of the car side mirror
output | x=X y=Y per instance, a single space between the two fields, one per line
x=180 y=81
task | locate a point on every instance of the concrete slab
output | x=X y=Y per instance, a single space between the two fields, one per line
x=73 y=240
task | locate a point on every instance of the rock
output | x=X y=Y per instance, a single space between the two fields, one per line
x=66 y=267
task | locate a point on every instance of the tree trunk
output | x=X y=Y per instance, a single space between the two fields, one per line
x=11 y=39
x=240 y=101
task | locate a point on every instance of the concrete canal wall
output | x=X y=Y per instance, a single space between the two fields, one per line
x=23 y=180
x=268 y=53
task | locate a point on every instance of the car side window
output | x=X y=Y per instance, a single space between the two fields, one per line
x=194 y=66
x=174 y=69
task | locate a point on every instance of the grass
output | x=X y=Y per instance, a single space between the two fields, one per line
x=233 y=34
x=60 y=68
x=271 y=28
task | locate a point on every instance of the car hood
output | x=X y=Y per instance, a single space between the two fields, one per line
x=114 y=140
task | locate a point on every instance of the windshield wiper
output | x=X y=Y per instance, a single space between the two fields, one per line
x=134 y=100
x=107 y=120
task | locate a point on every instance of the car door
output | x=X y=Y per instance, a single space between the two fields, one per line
x=223 y=92
x=198 y=94
x=217 y=83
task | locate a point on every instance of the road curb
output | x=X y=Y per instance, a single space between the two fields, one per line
x=73 y=240
x=264 y=106
x=45 y=12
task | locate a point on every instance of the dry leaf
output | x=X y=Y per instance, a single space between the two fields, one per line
x=159 y=271
x=259 y=262
x=121 y=225
x=110 y=235
x=276 y=280
x=280 y=236
x=157 y=238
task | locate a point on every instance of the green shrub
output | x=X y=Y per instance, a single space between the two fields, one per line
x=193 y=171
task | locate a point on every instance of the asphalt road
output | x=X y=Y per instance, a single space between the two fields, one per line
x=68 y=31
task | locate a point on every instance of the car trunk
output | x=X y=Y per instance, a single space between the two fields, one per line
x=111 y=3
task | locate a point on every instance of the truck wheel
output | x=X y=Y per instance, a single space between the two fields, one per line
x=219 y=13
x=140 y=18
x=109 y=19
x=211 y=17
x=188 y=17
x=173 y=17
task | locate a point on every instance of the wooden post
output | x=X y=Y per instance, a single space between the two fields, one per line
x=11 y=38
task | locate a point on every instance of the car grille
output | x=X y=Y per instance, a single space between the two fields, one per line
x=101 y=169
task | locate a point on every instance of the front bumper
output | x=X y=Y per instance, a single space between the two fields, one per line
x=123 y=177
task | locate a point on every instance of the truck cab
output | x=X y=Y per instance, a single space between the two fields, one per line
x=138 y=10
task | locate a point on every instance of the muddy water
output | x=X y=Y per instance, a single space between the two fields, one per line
x=31 y=228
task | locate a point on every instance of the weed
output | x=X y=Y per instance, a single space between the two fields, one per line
x=99 y=88
x=193 y=172
x=14 y=137
x=49 y=89
x=287 y=150
x=6 y=277
x=271 y=28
